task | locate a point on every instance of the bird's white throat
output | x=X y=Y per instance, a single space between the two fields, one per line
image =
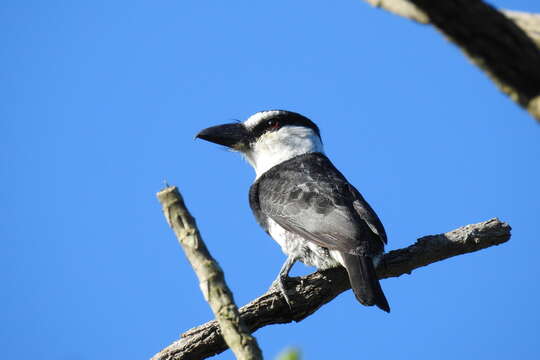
x=275 y=147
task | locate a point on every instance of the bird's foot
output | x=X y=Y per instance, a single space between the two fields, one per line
x=280 y=284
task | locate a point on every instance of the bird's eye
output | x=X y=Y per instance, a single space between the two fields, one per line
x=272 y=124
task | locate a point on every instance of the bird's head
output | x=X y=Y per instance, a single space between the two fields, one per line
x=267 y=138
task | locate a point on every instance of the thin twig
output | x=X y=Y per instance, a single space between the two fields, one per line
x=211 y=278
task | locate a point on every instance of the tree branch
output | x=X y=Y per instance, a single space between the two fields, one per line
x=211 y=278
x=505 y=44
x=312 y=291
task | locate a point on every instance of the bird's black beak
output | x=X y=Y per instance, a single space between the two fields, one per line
x=231 y=135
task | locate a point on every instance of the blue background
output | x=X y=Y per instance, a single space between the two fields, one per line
x=100 y=103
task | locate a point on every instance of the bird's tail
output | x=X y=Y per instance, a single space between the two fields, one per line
x=364 y=281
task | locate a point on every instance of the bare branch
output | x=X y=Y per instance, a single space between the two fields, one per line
x=313 y=291
x=505 y=44
x=402 y=8
x=530 y=23
x=211 y=278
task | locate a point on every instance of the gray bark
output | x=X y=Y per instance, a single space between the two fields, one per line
x=211 y=278
x=310 y=292
x=505 y=44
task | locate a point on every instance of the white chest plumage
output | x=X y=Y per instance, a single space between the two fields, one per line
x=273 y=148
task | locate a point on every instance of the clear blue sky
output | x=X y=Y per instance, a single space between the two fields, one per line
x=100 y=103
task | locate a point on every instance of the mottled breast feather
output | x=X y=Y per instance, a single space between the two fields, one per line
x=308 y=196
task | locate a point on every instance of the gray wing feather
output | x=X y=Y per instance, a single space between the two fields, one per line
x=310 y=197
x=367 y=214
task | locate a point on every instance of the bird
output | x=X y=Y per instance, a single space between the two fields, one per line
x=304 y=203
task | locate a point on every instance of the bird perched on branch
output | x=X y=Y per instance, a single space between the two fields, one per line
x=304 y=203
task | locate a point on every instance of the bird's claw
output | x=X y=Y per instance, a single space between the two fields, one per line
x=279 y=284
